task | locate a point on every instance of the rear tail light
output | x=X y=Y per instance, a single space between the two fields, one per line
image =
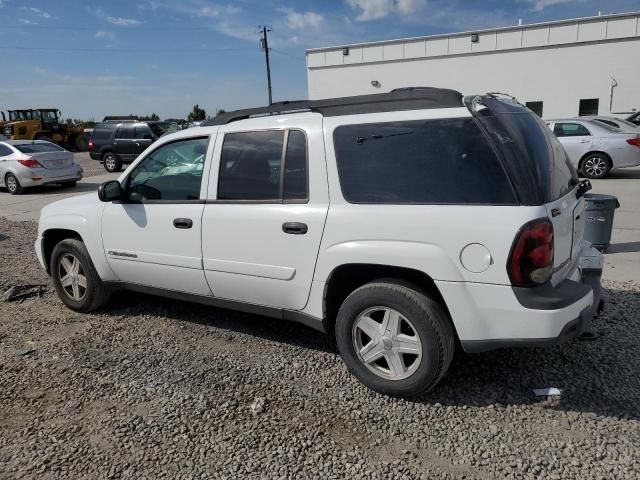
x=634 y=141
x=531 y=259
x=91 y=144
x=30 y=163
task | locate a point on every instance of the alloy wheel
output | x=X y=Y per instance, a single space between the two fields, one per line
x=72 y=277
x=110 y=162
x=387 y=343
x=12 y=183
x=595 y=166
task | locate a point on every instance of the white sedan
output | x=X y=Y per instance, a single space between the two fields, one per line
x=29 y=163
x=595 y=148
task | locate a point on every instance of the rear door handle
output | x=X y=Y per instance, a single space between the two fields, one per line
x=295 y=228
x=183 y=223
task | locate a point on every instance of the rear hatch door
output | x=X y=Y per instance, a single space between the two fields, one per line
x=567 y=216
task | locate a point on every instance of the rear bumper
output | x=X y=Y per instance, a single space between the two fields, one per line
x=488 y=317
x=43 y=176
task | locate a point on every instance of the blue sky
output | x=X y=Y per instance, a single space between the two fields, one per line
x=93 y=58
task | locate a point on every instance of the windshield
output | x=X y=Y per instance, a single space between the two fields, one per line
x=535 y=160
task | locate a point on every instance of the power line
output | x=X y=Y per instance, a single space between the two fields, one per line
x=132 y=50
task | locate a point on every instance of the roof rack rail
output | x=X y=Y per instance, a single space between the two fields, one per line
x=411 y=98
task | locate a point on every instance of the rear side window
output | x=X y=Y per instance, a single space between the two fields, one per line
x=251 y=166
x=570 y=130
x=38 y=147
x=141 y=131
x=102 y=133
x=445 y=161
x=5 y=151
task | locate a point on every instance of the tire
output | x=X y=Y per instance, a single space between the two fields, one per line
x=595 y=165
x=69 y=184
x=419 y=318
x=87 y=298
x=111 y=162
x=12 y=184
x=81 y=143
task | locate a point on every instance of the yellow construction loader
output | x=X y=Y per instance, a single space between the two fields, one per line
x=45 y=124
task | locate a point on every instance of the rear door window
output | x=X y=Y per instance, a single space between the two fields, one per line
x=5 y=151
x=570 y=130
x=126 y=132
x=141 y=131
x=445 y=161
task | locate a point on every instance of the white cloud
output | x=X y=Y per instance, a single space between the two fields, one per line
x=302 y=20
x=122 y=22
x=377 y=9
x=24 y=21
x=539 y=5
x=40 y=13
x=105 y=34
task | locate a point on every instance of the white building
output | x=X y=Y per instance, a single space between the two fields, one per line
x=564 y=68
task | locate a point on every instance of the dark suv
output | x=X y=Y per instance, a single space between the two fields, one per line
x=117 y=143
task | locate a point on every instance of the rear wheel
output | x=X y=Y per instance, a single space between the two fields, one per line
x=12 y=184
x=75 y=279
x=111 y=162
x=395 y=339
x=595 y=165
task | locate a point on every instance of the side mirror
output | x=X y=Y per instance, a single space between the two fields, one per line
x=110 y=191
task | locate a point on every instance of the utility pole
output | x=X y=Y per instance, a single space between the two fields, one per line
x=264 y=44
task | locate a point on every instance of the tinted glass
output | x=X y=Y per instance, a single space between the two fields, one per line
x=142 y=130
x=570 y=130
x=295 y=167
x=4 y=151
x=588 y=106
x=250 y=166
x=157 y=129
x=171 y=172
x=535 y=107
x=533 y=158
x=425 y=161
x=126 y=132
x=38 y=147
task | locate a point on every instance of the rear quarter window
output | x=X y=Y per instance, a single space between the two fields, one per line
x=102 y=133
x=445 y=161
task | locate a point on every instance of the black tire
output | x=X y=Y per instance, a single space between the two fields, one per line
x=95 y=294
x=428 y=320
x=81 y=142
x=596 y=165
x=69 y=184
x=111 y=162
x=12 y=184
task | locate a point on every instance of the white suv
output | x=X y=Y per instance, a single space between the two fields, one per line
x=400 y=224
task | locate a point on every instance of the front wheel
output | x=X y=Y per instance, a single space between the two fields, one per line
x=111 y=162
x=75 y=279
x=394 y=339
x=595 y=165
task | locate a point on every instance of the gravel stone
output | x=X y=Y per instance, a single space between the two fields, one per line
x=154 y=388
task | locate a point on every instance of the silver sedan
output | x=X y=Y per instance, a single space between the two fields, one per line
x=595 y=148
x=29 y=163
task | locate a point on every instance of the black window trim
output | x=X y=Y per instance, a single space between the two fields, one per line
x=285 y=145
x=125 y=182
x=489 y=142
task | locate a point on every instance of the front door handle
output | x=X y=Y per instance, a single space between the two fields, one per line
x=183 y=223
x=295 y=228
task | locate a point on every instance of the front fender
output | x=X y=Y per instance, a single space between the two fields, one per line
x=89 y=229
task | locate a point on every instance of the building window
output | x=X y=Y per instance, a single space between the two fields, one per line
x=588 y=106
x=535 y=107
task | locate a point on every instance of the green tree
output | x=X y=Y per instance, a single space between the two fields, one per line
x=152 y=117
x=198 y=114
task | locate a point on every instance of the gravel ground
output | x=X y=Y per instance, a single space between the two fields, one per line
x=161 y=389
x=91 y=167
